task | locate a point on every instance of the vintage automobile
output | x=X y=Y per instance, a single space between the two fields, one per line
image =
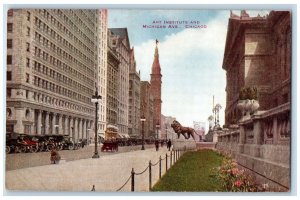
x=11 y=143
x=58 y=142
x=67 y=143
x=109 y=145
x=21 y=143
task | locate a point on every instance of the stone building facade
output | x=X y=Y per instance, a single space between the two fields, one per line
x=134 y=98
x=120 y=42
x=258 y=53
x=51 y=59
x=156 y=86
x=112 y=83
x=102 y=69
x=147 y=109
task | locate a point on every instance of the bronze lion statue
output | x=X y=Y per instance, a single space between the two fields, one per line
x=187 y=132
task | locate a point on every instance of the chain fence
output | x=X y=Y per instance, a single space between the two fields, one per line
x=174 y=157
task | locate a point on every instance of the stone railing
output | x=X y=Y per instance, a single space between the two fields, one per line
x=261 y=144
x=228 y=140
x=266 y=134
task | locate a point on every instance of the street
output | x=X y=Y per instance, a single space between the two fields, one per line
x=108 y=173
x=25 y=160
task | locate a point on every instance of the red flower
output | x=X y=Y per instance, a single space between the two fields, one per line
x=238 y=183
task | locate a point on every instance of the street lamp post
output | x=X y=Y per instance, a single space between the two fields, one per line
x=218 y=108
x=215 y=117
x=143 y=119
x=95 y=99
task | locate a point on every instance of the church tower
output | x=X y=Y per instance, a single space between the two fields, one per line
x=156 y=87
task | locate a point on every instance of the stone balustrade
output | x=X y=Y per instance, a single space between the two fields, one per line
x=261 y=143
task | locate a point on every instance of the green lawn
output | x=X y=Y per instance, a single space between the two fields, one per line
x=193 y=173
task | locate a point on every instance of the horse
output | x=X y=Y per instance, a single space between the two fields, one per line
x=183 y=130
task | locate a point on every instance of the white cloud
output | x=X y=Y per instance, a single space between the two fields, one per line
x=191 y=64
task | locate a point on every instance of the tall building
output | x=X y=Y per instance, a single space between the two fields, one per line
x=112 y=83
x=147 y=109
x=258 y=53
x=51 y=60
x=134 y=98
x=120 y=41
x=102 y=69
x=156 y=86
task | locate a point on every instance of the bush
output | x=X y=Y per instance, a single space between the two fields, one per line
x=234 y=179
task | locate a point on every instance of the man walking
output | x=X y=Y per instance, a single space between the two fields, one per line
x=169 y=144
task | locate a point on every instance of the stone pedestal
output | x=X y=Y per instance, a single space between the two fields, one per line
x=183 y=144
x=215 y=137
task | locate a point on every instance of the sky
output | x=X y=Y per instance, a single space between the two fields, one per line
x=190 y=58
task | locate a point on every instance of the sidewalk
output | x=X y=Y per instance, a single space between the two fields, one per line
x=108 y=173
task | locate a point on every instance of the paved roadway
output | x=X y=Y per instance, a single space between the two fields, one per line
x=25 y=160
x=108 y=173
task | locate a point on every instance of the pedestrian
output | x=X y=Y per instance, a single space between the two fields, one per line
x=169 y=144
x=162 y=143
x=54 y=156
x=93 y=189
x=156 y=145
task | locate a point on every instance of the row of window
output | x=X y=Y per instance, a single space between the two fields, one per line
x=56 y=62
x=39 y=82
x=64 y=43
x=59 y=103
x=87 y=44
x=52 y=101
x=10 y=29
x=61 y=78
x=65 y=30
x=78 y=15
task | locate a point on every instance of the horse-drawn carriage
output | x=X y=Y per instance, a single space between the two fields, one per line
x=110 y=142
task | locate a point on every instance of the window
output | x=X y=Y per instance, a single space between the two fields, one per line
x=27 y=94
x=27 y=78
x=27 y=62
x=8 y=75
x=28 y=31
x=9 y=43
x=8 y=92
x=10 y=13
x=28 y=16
x=9 y=59
x=9 y=27
x=27 y=47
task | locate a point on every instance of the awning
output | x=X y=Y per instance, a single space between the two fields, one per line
x=123 y=135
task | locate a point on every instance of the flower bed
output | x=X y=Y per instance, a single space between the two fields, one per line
x=234 y=179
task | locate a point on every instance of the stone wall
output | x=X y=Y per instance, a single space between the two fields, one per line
x=261 y=145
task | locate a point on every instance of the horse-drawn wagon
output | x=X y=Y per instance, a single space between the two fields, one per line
x=110 y=139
